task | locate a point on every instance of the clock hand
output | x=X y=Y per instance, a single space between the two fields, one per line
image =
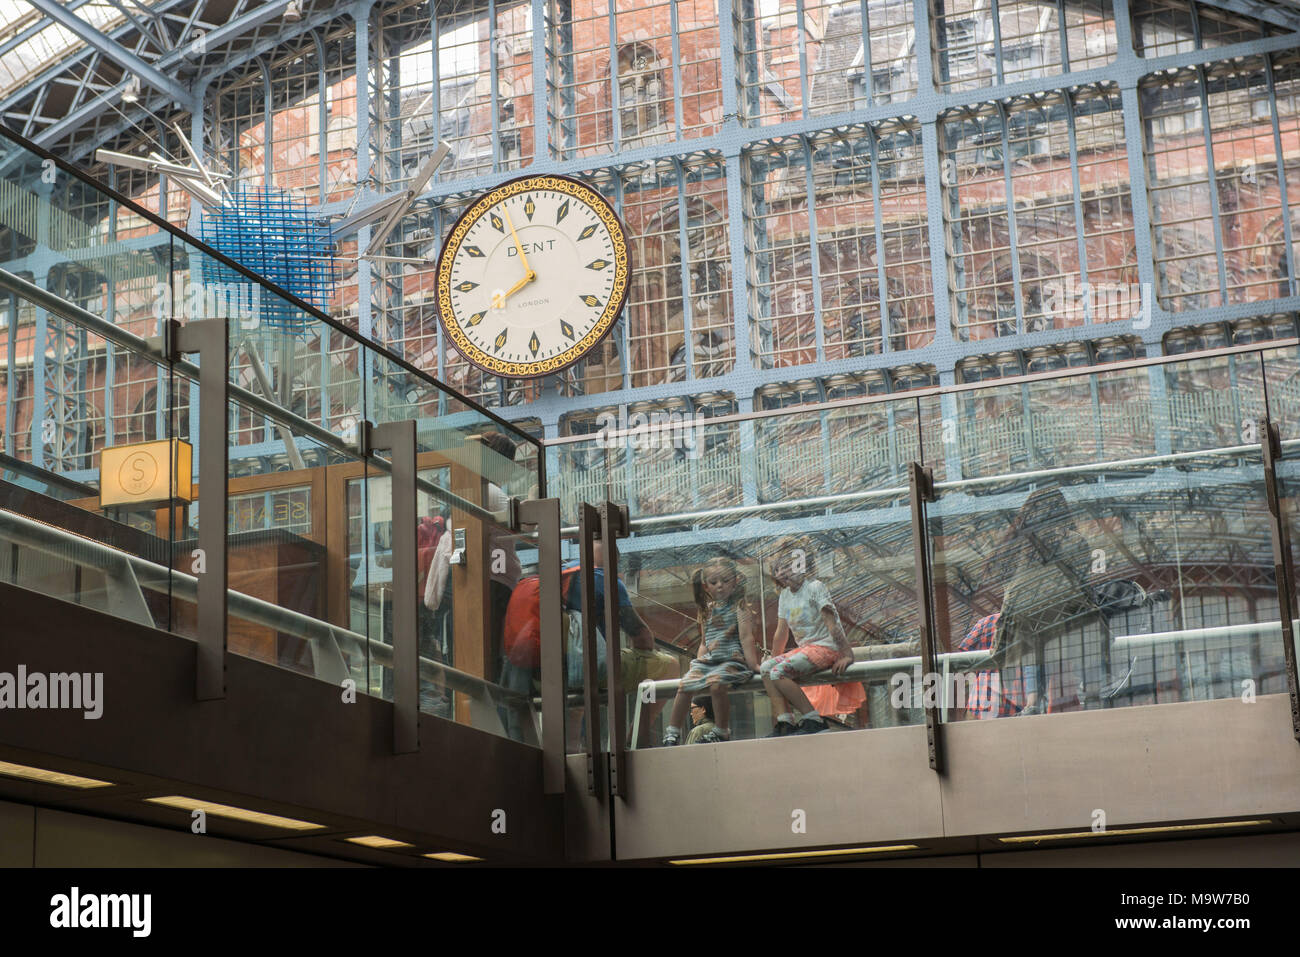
x=499 y=298
x=520 y=284
x=528 y=273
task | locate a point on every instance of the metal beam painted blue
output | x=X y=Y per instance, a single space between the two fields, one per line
x=147 y=72
x=214 y=41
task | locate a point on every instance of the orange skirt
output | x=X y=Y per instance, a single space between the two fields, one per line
x=836 y=699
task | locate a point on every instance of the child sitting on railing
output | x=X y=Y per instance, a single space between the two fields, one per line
x=727 y=655
x=804 y=610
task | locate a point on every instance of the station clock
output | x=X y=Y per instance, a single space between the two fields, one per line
x=532 y=276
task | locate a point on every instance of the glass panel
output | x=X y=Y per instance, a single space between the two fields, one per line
x=1029 y=258
x=980 y=45
x=283 y=588
x=807 y=59
x=279 y=527
x=1064 y=587
x=571 y=583
x=841 y=451
x=829 y=521
x=802 y=591
x=1282 y=379
x=662 y=86
x=472 y=466
x=70 y=395
x=77 y=524
x=514 y=690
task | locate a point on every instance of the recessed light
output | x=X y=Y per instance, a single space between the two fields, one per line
x=50 y=777
x=797 y=855
x=234 y=813
x=374 y=840
x=1035 y=838
x=452 y=856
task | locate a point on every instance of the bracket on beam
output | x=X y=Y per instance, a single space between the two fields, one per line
x=391 y=209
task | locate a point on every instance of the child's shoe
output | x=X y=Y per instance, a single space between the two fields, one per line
x=713 y=737
x=671 y=738
x=781 y=730
x=810 y=726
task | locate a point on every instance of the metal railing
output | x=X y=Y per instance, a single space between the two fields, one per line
x=128 y=577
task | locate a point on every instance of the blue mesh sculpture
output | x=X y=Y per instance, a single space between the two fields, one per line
x=270 y=232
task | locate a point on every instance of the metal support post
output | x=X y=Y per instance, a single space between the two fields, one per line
x=920 y=484
x=613 y=526
x=399 y=439
x=210 y=339
x=588 y=532
x=544 y=514
x=1283 y=567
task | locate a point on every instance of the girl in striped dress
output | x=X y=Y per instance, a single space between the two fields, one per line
x=727 y=655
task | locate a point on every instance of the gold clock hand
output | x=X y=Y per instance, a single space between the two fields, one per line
x=523 y=259
x=520 y=284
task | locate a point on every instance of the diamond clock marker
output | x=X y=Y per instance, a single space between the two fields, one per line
x=529 y=208
x=562 y=212
x=500 y=340
x=474 y=251
x=475 y=319
x=534 y=344
x=598 y=264
x=496 y=221
x=588 y=232
x=466 y=286
x=566 y=328
x=590 y=300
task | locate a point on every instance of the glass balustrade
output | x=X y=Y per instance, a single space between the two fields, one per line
x=1097 y=539
x=308 y=515
x=1093 y=539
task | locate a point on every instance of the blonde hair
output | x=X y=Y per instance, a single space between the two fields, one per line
x=782 y=547
x=702 y=601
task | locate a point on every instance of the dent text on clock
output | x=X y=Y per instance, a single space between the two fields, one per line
x=540 y=246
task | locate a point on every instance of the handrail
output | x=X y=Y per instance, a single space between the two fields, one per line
x=133 y=343
x=152 y=217
x=10 y=464
x=872 y=668
x=875 y=668
x=914 y=395
x=952 y=486
x=256 y=610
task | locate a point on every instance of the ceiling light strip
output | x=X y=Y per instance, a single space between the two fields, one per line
x=797 y=855
x=1126 y=831
x=50 y=777
x=234 y=813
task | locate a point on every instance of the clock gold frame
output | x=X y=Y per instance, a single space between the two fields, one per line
x=617 y=297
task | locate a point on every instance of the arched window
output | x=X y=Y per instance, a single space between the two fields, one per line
x=643 y=108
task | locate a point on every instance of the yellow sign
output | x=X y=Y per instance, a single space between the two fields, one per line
x=138 y=474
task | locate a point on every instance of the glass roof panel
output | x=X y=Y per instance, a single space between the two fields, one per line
x=27 y=47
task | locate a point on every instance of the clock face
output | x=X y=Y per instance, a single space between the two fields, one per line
x=533 y=276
